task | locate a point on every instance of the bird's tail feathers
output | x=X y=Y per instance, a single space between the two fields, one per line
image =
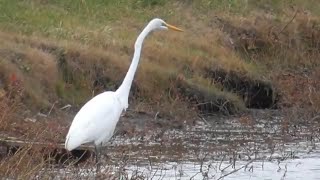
x=72 y=142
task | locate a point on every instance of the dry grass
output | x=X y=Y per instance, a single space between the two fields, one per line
x=29 y=160
x=289 y=54
x=255 y=46
x=73 y=72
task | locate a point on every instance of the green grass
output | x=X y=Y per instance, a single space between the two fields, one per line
x=75 y=19
x=62 y=19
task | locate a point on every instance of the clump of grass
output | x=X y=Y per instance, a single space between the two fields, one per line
x=26 y=160
x=24 y=164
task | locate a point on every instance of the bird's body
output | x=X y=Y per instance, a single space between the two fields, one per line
x=97 y=119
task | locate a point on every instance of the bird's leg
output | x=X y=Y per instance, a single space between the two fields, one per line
x=98 y=156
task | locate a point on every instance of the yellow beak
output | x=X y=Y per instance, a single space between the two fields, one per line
x=173 y=27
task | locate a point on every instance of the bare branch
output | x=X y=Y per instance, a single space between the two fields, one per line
x=289 y=22
x=236 y=170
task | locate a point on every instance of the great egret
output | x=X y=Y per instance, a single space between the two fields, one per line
x=97 y=119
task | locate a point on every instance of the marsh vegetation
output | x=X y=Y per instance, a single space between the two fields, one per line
x=237 y=62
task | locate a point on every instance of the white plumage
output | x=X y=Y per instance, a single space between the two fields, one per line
x=95 y=121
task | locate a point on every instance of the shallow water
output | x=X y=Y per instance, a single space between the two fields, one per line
x=215 y=148
x=306 y=168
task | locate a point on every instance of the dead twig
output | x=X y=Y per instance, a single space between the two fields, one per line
x=192 y=177
x=285 y=172
x=236 y=170
x=316 y=117
x=204 y=120
x=311 y=90
x=289 y=22
x=221 y=162
x=156 y=116
x=226 y=167
x=51 y=108
x=65 y=107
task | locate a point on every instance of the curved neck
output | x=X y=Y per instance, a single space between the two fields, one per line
x=124 y=90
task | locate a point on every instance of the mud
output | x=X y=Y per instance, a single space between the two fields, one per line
x=255 y=93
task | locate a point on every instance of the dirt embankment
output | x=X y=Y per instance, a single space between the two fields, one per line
x=43 y=72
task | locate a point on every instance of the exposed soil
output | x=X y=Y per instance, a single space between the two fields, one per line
x=255 y=93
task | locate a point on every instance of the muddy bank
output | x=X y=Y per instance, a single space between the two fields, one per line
x=251 y=135
x=259 y=142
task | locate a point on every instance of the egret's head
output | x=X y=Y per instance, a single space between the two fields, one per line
x=161 y=25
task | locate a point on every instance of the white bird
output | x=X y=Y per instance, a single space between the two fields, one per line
x=97 y=119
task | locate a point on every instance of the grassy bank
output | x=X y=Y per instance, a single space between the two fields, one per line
x=67 y=51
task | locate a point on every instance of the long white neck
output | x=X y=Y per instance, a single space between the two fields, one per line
x=124 y=90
